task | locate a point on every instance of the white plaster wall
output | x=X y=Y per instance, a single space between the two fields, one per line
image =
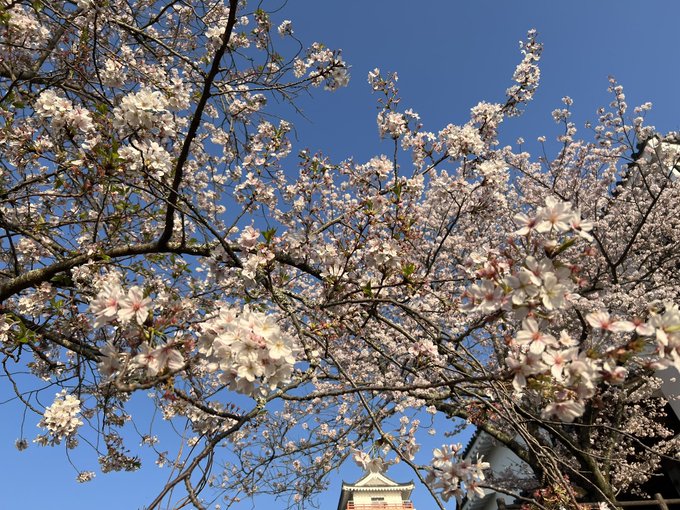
x=671 y=387
x=364 y=498
x=500 y=459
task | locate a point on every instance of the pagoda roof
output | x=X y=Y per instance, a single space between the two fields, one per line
x=373 y=481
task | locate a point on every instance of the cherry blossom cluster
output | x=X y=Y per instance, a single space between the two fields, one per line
x=478 y=283
x=285 y=28
x=527 y=74
x=145 y=155
x=391 y=123
x=62 y=113
x=153 y=360
x=368 y=462
x=537 y=292
x=555 y=217
x=323 y=65
x=85 y=476
x=247 y=350
x=535 y=283
x=146 y=109
x=574 y=374
x=113 y=304
x=664 y=151
x=256 y=254
x=573 y=371
x=61 y=419
x=453 y=476
x=24 y=28
x=540 y=281
x=150 y=359
x=458 y=141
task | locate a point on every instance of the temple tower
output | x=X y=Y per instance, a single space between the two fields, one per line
x=375 y=492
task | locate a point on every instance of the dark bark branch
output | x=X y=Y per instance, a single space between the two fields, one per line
x=36 y=276
x=193 y=127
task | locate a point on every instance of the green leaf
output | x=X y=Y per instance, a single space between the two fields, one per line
x=25 y=335
x=397 y=189
x=269 y=234
x=408 y=269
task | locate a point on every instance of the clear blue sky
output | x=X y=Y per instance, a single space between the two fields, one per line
x=449 y=55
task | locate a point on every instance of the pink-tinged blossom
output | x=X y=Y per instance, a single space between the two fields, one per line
x=169 y=357
x=50 y=105
x=338 y=78
x=452 y=476
x=285 y=28
x=110 y=360
x=601 y=320
x=147 y=359
x=249 y=369
x=146 y=157
x=553 y=293
x=566 y=411
x=156 y=360
x=667 y=327
x=62 y=113
x=143 y=109
x=367 y=463
x=392 y=123
x=253 y=262
x=642 y=328
x=445 y=455
x=374 y=78
x=523 y=289
x=580 y=226
x=424 y=347
x=555 y=216
x=106 y=304
x=583 y=375
x=459 y=141
x=612 y=373
x=522 y=366
x=279 y=348
x=516 y=365
x=80 y=119
x=113 y=73
x=85 y=476
x=361 y=458
x=247 y=349
x=23 y=28
x=566 y=340
x=531 y=335
x=488 y=296
x=134 y=306
x=248 y=238
x=557 y=360
x=538 y=269
x=376 y=465
x=527 y=73
x=526 y=223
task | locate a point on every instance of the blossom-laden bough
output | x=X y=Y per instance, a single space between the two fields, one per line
x=155 y=239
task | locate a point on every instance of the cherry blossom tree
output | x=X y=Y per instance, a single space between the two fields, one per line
x=158 y=237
